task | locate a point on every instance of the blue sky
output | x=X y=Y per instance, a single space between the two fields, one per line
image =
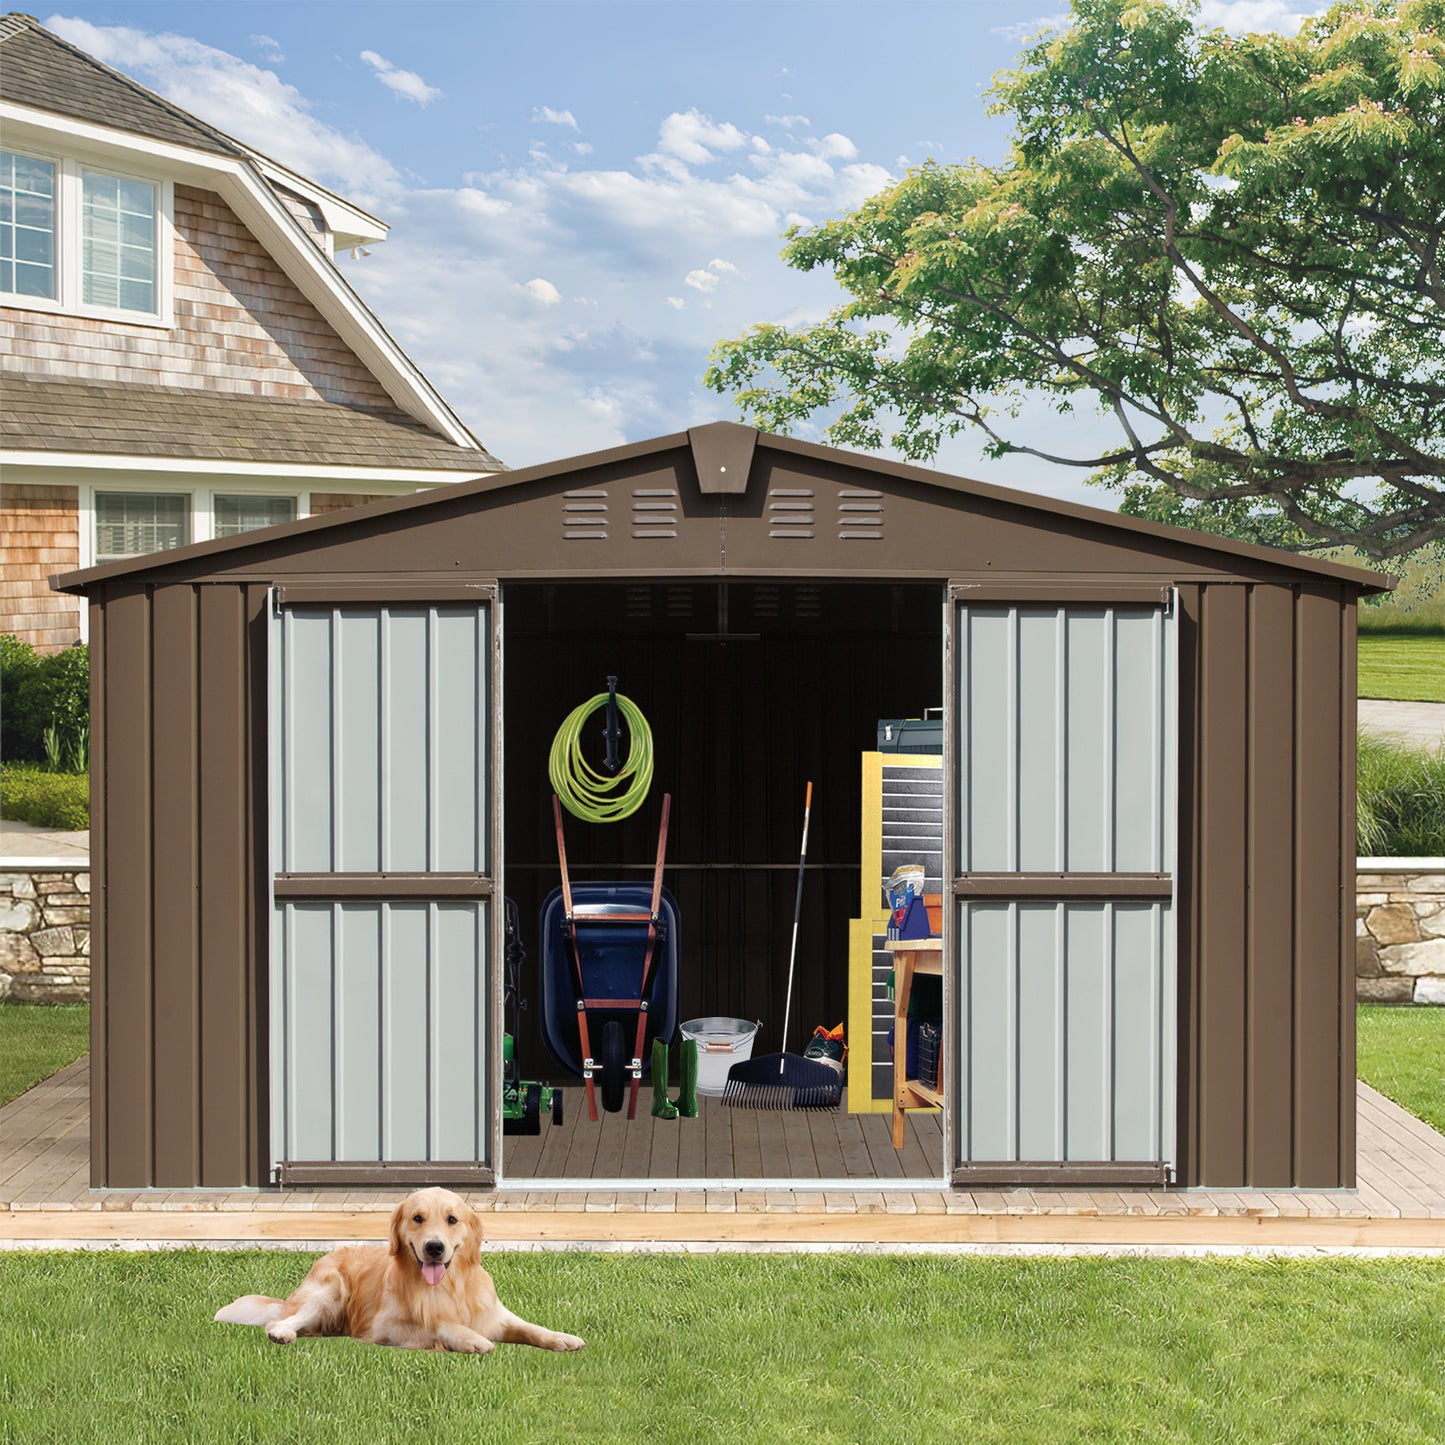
x=585 y=197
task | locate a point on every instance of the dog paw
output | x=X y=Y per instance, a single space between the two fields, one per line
x=567 y=1342
x=281 y=1334
x=476 y=1345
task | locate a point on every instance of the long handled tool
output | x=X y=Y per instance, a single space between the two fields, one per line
x=784 y=1080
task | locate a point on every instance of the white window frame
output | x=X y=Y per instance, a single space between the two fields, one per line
x=203 y=516
x=69 y=241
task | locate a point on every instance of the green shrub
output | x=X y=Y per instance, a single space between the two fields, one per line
x=41 y=691
x=48 y=800
x=1400 y=806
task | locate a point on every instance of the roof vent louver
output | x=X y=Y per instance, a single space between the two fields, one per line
x=860 y=516
x=584 y=516
x=790 y=514
x=654 y=513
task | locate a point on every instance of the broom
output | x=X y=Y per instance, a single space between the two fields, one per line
x=786 y=1081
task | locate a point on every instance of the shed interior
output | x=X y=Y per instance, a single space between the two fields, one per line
x=751 y=689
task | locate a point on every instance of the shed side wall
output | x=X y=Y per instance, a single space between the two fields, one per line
x=175 y=1100
x=1266 y=829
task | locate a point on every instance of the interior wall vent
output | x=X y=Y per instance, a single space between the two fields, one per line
x=654 y=513
x=790 y=514
x=860 y=516
x=584 y=516
x=645 y=603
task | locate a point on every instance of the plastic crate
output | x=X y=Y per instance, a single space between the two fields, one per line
x=930 y=1052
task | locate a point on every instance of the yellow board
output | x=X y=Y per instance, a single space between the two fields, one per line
x=872 y=920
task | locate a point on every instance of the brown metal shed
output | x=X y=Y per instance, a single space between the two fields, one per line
x=864 y=588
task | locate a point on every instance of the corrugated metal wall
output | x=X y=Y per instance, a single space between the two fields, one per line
x=1266 y=1037
x=1267 y=924
x=178 y=886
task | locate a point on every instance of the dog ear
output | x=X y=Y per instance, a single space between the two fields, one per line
x=474 y=1233
x=398 y=1216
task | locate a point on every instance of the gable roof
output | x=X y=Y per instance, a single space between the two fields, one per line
x=105 y=418
x=50 y=88
x=698 y=459
x=51 y=74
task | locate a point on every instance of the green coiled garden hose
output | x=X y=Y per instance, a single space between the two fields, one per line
x=594 y=796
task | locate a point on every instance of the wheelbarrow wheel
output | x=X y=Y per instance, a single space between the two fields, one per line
x=614 y=1066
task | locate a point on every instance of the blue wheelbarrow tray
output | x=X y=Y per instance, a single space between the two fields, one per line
x=612 y=958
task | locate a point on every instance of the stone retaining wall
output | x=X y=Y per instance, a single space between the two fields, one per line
x=1400 y=932
x=44 y=932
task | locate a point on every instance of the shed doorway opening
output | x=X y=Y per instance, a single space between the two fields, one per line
x=751 y=689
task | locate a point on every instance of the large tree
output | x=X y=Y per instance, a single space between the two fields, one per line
x=1232 y=245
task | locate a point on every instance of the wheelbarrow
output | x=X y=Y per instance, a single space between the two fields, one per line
x=609 y=976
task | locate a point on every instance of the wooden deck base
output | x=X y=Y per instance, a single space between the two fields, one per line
x=653 y=1229
x=876 y=1200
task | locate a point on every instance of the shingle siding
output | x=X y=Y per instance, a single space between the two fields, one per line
x=39 y=535
x=241 y=327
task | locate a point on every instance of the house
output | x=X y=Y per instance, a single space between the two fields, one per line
x=181 y=359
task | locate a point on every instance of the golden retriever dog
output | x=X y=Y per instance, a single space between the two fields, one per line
x=427 y=1291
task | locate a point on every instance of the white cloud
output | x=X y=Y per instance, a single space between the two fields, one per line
x=788 y=122
x=693 y=137
x=543 y=291
x=835 y=147
x=546 y=114
x=582 y=147
x=406 y=83
x=1242 y=17
x=251 y=103
x=672 y=251
x=269 y=47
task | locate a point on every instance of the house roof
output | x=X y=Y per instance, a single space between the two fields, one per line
x=49 y=73
x=48 y=415
x=716 y=501
x=51 y=90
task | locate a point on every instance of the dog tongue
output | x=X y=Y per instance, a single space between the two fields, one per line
x=433 y=1273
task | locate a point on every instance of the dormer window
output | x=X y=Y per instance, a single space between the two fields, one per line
x=82 y=239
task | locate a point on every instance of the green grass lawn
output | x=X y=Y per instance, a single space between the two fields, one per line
x=36 y=1039
x=1402 y=666
x=97 y=1347
x=1401 y=1052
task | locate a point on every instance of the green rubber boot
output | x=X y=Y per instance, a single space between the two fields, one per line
x=662 y=1107
x=687 y=1098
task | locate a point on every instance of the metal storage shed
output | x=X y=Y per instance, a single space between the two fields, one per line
x=328 y=740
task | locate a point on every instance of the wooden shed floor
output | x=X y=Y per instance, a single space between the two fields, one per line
x=1400 y=1201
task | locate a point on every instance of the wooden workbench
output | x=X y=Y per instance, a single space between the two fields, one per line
x=911 y=956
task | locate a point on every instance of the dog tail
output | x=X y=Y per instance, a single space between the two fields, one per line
x=251 y=1309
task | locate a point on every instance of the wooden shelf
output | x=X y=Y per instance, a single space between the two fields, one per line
x=912 y=956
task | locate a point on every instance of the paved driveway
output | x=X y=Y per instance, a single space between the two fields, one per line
x=1421 y=724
